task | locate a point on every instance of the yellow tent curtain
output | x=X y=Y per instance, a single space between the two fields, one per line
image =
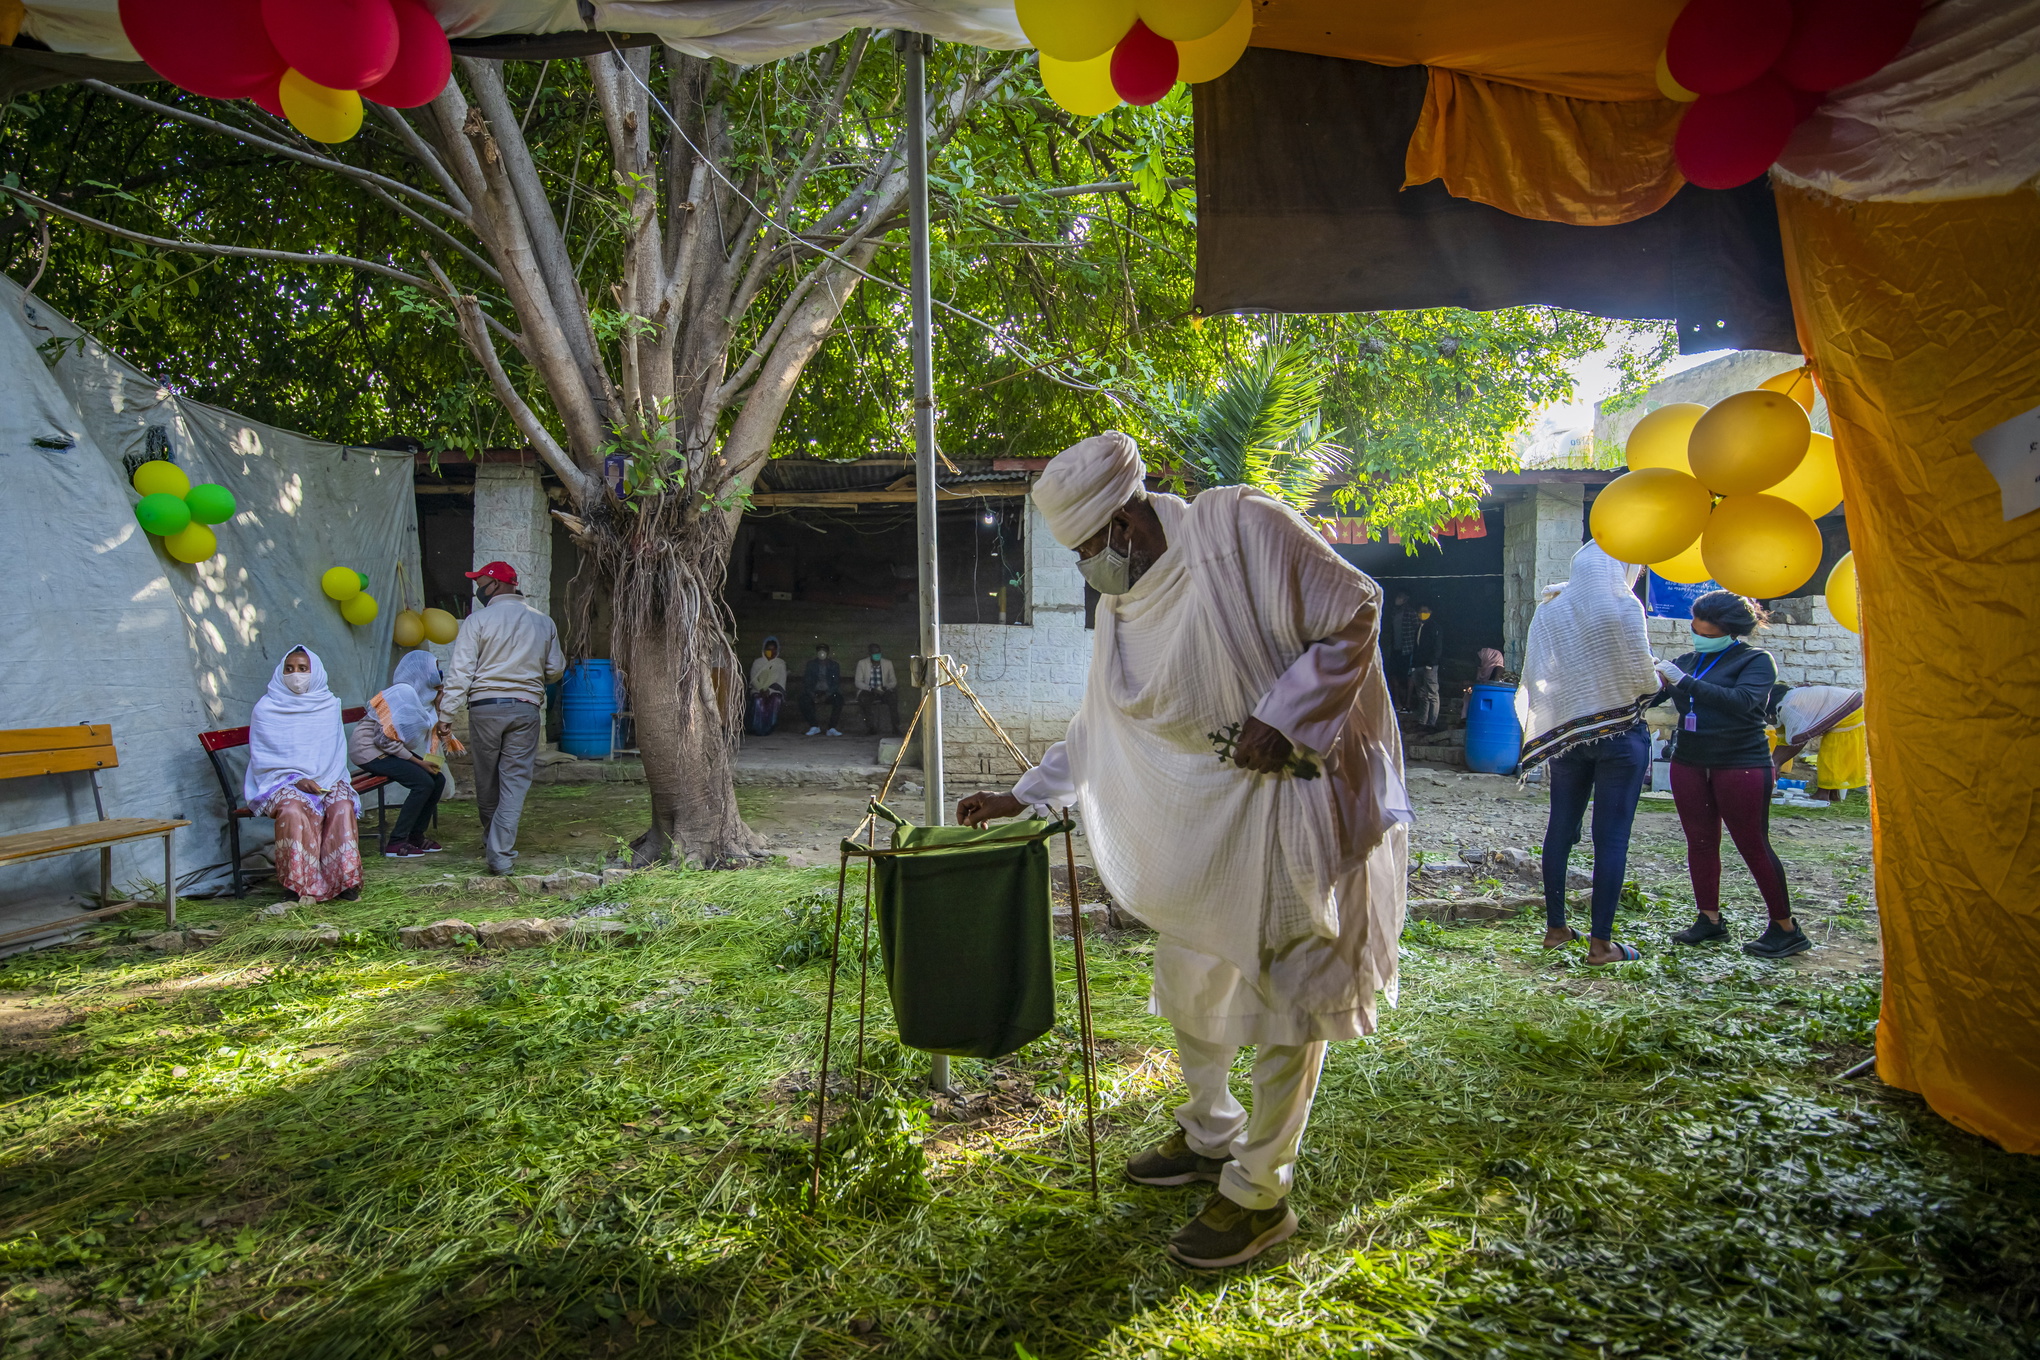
x=1588 y=162
x=1923 y=322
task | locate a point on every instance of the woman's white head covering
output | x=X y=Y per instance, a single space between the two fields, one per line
x=1587 y=666
x=405 y=709
x=1084 y=484
x=297 y=736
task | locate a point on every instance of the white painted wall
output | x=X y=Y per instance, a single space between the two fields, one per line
x=1029 y=678
x=511 y=525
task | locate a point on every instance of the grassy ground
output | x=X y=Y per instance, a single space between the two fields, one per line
x=259 y=1150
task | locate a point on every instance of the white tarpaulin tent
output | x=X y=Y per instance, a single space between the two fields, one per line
x=739 y=30
x=109 y=628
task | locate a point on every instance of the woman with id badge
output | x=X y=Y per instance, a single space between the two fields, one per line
x=1721 y=768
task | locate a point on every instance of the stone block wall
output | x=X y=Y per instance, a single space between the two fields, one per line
x=1030 y=679
x=1541 y=530
x=1818 y=653
x=512 y=525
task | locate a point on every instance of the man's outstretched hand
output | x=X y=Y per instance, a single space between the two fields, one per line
x=980 y=808
x=1261 y=748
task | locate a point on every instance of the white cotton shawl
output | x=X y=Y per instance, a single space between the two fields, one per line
x=1233 y=864
x=297 y=736
x=1586 y=665
x=405 y=709
x=1810 y=710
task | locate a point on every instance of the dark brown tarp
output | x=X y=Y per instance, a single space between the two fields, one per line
x=1300 y=208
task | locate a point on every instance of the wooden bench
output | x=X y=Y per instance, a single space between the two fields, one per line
x=227 y=739
x=86 y=748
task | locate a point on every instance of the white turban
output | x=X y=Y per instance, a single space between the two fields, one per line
x=1084 y=484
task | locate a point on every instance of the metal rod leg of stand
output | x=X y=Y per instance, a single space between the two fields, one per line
x=1083 y=1013
x=828 y=1035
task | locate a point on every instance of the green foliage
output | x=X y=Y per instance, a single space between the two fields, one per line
x=1260 y=425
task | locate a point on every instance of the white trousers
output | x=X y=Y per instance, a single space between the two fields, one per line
x=1263 y=1145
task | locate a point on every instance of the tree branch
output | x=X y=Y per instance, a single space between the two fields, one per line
x=332 y=163
x=200 y=248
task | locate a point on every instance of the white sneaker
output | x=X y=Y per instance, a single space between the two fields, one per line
x=834 y=733
x=814 y=731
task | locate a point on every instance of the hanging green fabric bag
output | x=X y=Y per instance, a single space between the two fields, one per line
x=965 y=935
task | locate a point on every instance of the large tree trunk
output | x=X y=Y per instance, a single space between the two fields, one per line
x=664 y=567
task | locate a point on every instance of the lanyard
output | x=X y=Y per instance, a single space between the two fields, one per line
x=1715 y=660
x=1691 y=722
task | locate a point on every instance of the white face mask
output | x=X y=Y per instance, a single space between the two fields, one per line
x=298 y=682
x=1109 y=572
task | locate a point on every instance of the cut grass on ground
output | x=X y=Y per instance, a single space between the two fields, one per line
x=365 y=1152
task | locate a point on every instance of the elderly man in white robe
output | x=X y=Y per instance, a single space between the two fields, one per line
x=1275 y=878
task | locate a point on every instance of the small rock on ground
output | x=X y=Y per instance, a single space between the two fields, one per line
x=516 y=934
x=446 y=934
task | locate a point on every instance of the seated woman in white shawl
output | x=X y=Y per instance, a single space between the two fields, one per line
x=393 y=738
x=1587 y=676
x=297 y=775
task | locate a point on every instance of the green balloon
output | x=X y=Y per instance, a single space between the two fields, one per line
x=162 y=514
x=210 y=504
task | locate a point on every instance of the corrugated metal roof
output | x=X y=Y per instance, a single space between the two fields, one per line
x=821 y=474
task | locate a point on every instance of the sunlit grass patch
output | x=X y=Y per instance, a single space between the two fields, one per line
x=269 y=1150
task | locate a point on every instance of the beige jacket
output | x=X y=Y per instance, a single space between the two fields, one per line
x=879 y=677
x=507 y=650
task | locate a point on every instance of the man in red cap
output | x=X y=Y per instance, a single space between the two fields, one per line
x=505 y=656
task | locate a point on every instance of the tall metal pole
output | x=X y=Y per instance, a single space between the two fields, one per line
x=917 y=46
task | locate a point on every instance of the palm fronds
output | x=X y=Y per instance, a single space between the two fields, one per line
x=1261 y=426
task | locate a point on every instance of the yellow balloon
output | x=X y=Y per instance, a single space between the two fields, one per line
x=160 y=477
x=408 y=628
x=1760 y=546
x=1659 y=439
x=1748 y=442
x=1211 y=56
x=440 y=626
x=340 y=583
x=359 y=610
x=1796 y=383
x=1670 y=88
x=1843 y=600
x=1687 y=568
x=1815 y=486
x=321 y=114
x=1080 y=87
x=193 y=543
x=1075 y=30
x=1649 y=516
x=1185 y=20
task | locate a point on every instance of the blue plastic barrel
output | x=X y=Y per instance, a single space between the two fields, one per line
x=587 y=709
x=1494 y=739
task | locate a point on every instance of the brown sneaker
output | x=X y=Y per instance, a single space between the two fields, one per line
x=1173 y=1163
x=1225 y=1234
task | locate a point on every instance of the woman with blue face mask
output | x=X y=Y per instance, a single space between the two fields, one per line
x=1721 y=767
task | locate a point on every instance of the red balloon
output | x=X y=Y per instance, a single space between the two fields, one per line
x=216 y=48
x=271 y=101
x=424 y=60
x=1143 y=65
x=1730 y=139
x=1839 y=42
x=341 y=44
x=1722 y=45
x=1804 y=102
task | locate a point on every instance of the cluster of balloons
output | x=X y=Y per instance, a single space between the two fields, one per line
x=413 y=628
x=179 y=513
x=1755 y=69
x=1727 y=493
x=350 y=588
x=311 y=61
x=1097 y=53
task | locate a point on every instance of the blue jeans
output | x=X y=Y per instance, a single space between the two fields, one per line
x=1610 y=771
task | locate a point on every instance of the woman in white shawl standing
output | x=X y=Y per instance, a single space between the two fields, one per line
x=297 y=775
x=1587 y=675
x=400 y=728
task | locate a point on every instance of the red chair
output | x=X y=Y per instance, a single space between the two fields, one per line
x=227 y=738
